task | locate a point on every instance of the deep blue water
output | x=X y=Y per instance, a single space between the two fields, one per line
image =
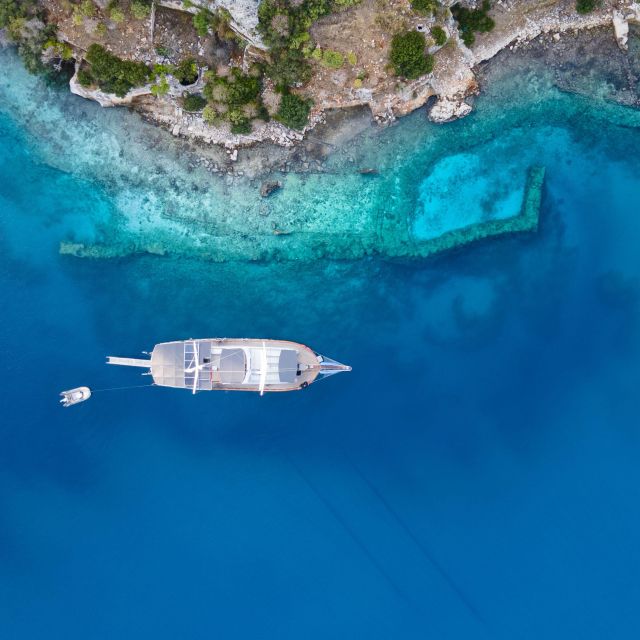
x=475 y=476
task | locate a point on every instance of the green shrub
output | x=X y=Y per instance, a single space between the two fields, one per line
x=114 y=75
x=240 y=123
x=586 y=6
x=439 y=35
x=88 y=9
x=85 y=78
x=243 y=89
x=235 y=91
x=116 y=14
x=216 y=89
x=61 y=50
x=343 y=4
x=211 y=116
x=235 y=97
x=162 y=69
x=289 y=68
x=186 y=72
x=15 y=29
x=424 y=7
x=193 y=102
x=408 y=57
x=203 y=21
x=100 y=29
x=293 y=31
x=14 y=16
x=140 y=9
x=11 y=10
x=163 y=51
x=76 y=17
x=161 y=87
x=332 y=59
x=284 y=26
x=471 y=21
x=294 y=111
x=352 y=58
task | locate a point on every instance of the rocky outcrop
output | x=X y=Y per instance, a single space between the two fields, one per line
x=445 y=110
x=244 y=15
x=106 y=99
x=621 y=29
x=621 y=19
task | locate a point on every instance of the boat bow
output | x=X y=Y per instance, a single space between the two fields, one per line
x=328 y=367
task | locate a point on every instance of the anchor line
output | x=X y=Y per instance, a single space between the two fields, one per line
x=139 y=386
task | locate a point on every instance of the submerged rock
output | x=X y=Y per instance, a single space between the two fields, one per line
x=269 y=186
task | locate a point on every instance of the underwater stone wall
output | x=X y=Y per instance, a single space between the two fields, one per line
x=385 y=235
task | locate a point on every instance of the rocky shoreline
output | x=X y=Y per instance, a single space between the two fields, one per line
x=448 y=88
x=593 y=50
x=576 y=58
x=254 y=159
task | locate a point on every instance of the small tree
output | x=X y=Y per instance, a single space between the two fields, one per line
x=408 y=57
x=289 y=68
x=439 y=35
x=240 y=123
x=473 y=20
x=85 y=78
x=161 y=87
x=11 y=10
x=193 y=102
x=332 y=59
x=140 y=9
x=294 y=111
x=211 y=116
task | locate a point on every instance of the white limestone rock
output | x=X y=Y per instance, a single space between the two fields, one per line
x=621 y=29
x=105 y=99
x=446 y=110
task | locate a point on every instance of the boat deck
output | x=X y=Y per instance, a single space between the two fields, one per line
x=234 y=364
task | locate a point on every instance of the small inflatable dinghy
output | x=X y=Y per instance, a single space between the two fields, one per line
x=75 y=396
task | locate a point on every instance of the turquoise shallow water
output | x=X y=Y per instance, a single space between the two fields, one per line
x=431 y=180
x=475 y=476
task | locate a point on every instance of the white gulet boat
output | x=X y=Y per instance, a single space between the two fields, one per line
x=234 y=364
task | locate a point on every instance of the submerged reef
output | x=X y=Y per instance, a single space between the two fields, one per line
x=386 y=235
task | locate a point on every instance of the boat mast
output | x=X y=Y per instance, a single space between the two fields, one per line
x=263 y=367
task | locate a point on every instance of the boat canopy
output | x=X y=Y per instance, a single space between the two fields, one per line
x=233 y=366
